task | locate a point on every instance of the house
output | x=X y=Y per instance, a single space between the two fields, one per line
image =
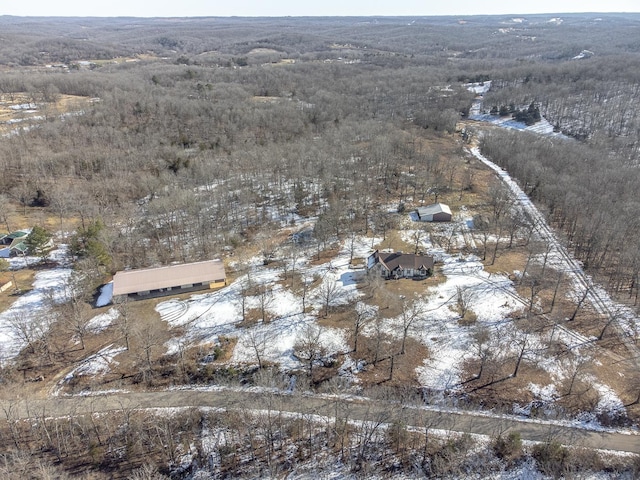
x=171 y=279
x=13 y=244
x=400 y=265
x=438 y=212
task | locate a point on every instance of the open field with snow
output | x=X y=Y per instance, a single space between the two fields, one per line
x=262 y=311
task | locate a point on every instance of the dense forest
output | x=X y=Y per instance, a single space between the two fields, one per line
x=158 y=141
x=213 y=99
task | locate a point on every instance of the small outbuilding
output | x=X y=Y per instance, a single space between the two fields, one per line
x=172 y=279
x=438 y=212
x=13 y=244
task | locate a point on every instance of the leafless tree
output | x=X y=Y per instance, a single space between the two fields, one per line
x=5 y=266
x=412 y=310
x=31 y=330
x=328 y=292
x=417 y=236
x=124 y=324
x=265 y=299
x=576 y=369
x=147 y=472
x=484 y=349
x=6 y=212
x=309 y=346
x=259 y=341
x=362 y=315
x=584 y=296
x=305 y=286
x=464 y=300
x=147 y=340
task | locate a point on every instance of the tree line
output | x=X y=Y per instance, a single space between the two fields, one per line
x=588 y=194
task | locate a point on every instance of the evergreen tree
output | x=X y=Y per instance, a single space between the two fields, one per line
x=38 y=242
x=89 y=243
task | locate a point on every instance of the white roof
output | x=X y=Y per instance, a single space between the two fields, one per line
x=433 y=209
x=133 y=281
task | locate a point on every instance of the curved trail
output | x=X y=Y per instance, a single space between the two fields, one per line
x=360 y=409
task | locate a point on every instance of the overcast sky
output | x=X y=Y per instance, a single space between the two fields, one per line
x=186 y=8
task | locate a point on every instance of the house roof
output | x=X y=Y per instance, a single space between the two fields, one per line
x=133 y=281
x=21 y=247
x=9 y=238
x=18 y=234
x=433 y=209
x=404 y=260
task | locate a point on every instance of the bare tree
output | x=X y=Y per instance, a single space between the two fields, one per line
x=417 y=236
x=147 y=472
x=577 y=369
x=304 y=291
x=30 y=330
x=259 y=341
x=362 y=315
x=245 y=286
x=523 y=344
x=5 y=266
x=147 y=340
x=484 y=349
x=309 y=347
x=6 y=211
x=464 y=300
x=265 y=299
x=124 y=318
x=328 y=292
x=584 y=296
x=412 y=310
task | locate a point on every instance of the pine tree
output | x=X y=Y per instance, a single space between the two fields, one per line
x=38 y=242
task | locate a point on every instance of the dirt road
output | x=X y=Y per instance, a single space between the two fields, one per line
x=356 y=409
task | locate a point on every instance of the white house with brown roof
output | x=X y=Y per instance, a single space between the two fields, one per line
x=170 y=279
x=400 y=265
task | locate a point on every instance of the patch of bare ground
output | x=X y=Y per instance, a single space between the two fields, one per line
x=253 y=316
x=393 y=241
x=325 y=255
x=144 y=362
x=22 y=108
x=496 y=384
x=338 y=317
x=507 y=261
x=387 y=295
x=22 y=281
x=21 y=217
x=385 y=365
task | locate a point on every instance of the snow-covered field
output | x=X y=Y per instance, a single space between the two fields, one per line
x=206 y=317
x=264 y=291
x=478 y=113
x=27 y=315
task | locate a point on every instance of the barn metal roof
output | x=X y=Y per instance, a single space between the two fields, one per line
x=433 y=209
x=134 y=281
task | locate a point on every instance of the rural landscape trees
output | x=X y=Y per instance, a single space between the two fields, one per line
x=292 y=148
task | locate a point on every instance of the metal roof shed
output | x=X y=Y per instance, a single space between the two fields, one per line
x=208 y=274
x=438 y=212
